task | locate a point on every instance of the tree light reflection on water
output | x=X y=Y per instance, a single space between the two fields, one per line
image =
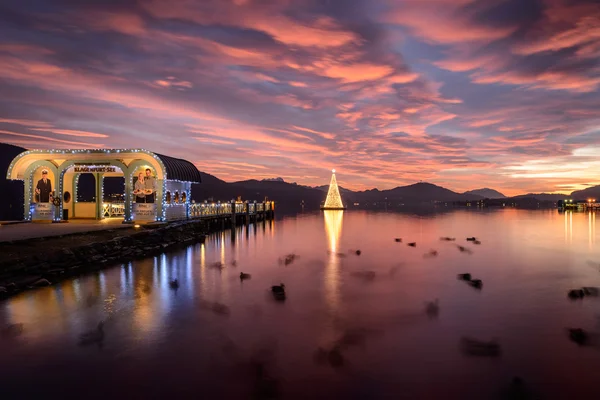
x=351 y=325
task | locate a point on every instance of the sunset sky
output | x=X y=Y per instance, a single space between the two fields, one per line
x=461 y=93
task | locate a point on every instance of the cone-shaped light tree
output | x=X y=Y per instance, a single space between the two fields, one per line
x=333 y=200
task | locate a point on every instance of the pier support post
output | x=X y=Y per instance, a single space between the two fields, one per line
x=247 y=209
x=233 y=214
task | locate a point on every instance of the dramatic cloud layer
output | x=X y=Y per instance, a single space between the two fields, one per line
x=461 y=93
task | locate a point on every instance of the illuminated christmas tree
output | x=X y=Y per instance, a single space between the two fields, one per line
x=334 y=200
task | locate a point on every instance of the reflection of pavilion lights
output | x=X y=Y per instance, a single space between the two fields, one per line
x=189 y=265
x=222 y=244
x=333 y=228
x=571 y=227
x=591 y=229
x=566 y=224
x=202 y=279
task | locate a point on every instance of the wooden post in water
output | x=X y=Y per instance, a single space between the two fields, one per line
x=233 y=215
x=247 y=206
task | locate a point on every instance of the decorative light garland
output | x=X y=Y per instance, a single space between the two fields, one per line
x=75 y=184
x=188 y=203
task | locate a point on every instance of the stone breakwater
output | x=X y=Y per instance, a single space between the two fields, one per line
x=52 y=265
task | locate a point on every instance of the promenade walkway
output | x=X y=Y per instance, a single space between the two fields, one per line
x=29 y=230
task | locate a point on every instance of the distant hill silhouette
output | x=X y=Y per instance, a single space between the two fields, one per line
x=11 y=192
x=486 y=193
x=417 y=193
x=291 y=196
x=210 y=179
x=325 y=188
x=554 y=197
x=589 y=193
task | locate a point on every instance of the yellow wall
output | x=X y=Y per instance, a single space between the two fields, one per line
x=85 y=210
x=68 y=187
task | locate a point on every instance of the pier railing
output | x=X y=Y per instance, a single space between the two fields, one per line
x=199 y=210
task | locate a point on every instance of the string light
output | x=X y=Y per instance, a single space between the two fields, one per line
x=188 y=206
x=333 y=200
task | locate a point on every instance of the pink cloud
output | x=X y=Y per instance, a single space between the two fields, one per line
x=565 y=25
x=128 y=24
x=297 y=84
x=214 y=141
x=324 y=135
x=70 y=132
x=557 y=80
x=49 y=139
x=484 y=122
x=26 y=122
x=319 y=32
x=257 y=89
x=356 y=72
x=443 y=22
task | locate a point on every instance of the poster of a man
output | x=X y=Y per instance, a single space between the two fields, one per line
x=150 y=186
x=43 y=189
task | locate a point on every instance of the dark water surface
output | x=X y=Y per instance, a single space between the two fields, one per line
x=218 y=337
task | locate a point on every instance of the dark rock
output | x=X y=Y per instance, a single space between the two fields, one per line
x=320 y=356
x=464 y=277
x=12 y=330
x=590 y=291
x=23 y=273
x=41 y=283
x=474 y=347
x=578 y=336
x=463 y=249
x=335 y=358
x=576 y=294
x=364 y=275
x=476 y=283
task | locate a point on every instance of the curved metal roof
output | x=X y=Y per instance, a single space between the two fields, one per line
x=174 y=168
x=180 y=170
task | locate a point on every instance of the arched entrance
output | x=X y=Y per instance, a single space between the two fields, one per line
x=57 y=198
x=82 y=185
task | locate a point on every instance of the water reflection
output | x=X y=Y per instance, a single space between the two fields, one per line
x=568 y=226
x=591 y=228
x=333 y=228
x=527 y=259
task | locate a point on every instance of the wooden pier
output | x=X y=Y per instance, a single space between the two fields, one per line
x=578 y=205
x=234 y=213
x=230 y=214
x=214 y=216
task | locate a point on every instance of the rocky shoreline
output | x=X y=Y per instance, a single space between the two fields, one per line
x=52 y=265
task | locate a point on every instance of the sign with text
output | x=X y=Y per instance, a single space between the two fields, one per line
x=92 y=168
x=144 y=212
x=43 y=212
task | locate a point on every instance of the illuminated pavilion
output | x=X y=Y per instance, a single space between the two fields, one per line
x=173 y=177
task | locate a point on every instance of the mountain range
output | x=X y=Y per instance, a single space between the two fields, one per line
x=292 y=195
x=486 y=193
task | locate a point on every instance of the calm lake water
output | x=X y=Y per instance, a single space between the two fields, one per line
x=218 y=337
